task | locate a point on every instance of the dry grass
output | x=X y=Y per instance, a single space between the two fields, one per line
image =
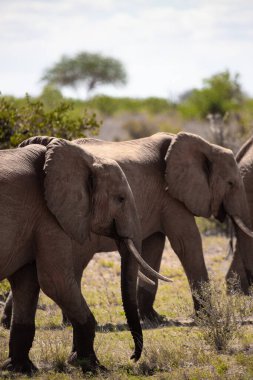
x=174 y=352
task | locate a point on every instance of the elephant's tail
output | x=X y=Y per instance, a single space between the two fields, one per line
x=41 y=140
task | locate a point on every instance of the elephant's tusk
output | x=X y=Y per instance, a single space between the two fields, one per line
x=145 y=278
x=242 y=226
x=130 y=245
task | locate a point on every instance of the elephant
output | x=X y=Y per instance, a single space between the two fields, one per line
x=242 y=263
x=53 y=201
x=173 y=178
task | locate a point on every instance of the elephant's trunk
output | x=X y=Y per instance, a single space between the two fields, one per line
x=129 y=273
x=130 y=258
x=244 y=247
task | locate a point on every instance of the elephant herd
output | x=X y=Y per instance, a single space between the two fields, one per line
x=61 y=202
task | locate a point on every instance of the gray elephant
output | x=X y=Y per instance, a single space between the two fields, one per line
x=173 y=178
x=53 y=200
x=242 y=263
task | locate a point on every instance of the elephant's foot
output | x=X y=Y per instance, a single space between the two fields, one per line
x=152 y=318
x=84 y=355
x=6 y=321
x=88 y=364
x=21 y=338
x=24 y=366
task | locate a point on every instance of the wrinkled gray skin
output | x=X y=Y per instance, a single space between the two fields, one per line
x=85 y=195
x=173 y=178
x=242 y=263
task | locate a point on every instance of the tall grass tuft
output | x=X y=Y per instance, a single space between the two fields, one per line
x=221 y=315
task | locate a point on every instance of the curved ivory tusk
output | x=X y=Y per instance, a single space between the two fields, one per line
x=145 y=278
x=242 y=226
x=130 y=245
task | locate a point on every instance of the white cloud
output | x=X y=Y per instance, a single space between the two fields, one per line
x=167 y=47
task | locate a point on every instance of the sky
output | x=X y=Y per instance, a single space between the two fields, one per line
x=166 y=46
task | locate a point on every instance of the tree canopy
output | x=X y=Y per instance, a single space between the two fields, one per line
x=86 y=69
x=221 y=93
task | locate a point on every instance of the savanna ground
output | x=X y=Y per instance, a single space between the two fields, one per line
x=177 y=351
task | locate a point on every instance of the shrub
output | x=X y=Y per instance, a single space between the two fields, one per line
x=109 y=106
x=18 y=122
x=221 y=316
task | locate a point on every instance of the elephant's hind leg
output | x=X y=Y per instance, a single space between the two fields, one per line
x=25 y=290
x=152 y=250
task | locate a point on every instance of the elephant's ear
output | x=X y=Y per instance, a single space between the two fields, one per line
x=187 y=172
x=67 y=169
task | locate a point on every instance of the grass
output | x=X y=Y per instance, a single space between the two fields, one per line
x=179 y=351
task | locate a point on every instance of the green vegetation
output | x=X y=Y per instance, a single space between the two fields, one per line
x=109 y=106
x=222 y=103
x=177 y=351
x=220 y=94
x=25 y=118
x=219 y=111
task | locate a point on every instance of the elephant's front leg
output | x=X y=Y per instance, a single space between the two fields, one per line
x=152 y=250
x=183 y=234
x=25 y=290
x=57 y=279
x=82 y=258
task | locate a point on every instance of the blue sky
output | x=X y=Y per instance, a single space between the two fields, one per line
x=167 y=47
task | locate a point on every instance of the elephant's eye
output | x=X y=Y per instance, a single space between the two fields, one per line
x=231 y=183
x=121 y=199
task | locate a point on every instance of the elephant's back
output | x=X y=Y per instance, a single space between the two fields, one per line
x=144 y=150
x=21 y=174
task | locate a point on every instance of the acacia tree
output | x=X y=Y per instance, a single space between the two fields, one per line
x=86 y=69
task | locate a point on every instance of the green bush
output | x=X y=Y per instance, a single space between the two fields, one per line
x=109 y=106
x=106 y=105
x=221 y=94
x=156 y=105
x=31 y=117
x=51 y=97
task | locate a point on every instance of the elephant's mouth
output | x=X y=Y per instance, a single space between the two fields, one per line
x=114 y=232
x=110 y=231
x=221 y=215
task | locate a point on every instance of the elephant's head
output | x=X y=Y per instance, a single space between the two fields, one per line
x=88 y=194
x=206 y=178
